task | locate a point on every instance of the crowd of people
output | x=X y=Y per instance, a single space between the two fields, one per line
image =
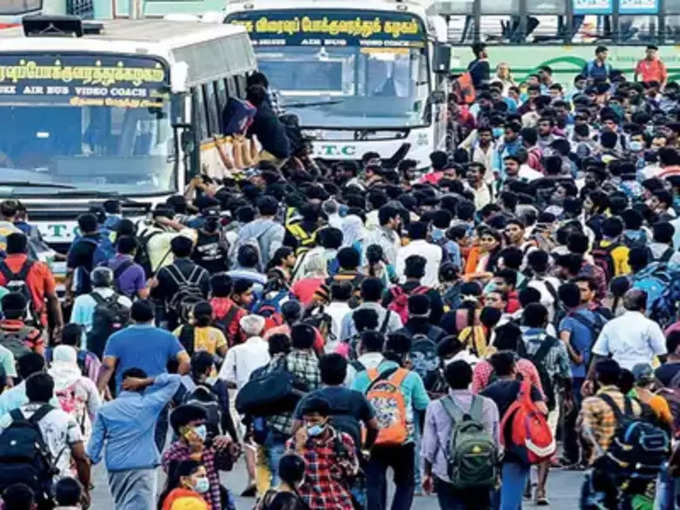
x=325 y=323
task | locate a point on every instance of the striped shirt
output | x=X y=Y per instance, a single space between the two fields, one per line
x=598 y=418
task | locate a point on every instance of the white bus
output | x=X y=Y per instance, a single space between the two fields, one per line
x=11 y=11
x=361 y=78
x=121 y=109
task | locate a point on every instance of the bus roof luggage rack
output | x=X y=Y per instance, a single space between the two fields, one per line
x=52 y=26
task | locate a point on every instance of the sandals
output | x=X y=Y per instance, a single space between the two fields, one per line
x=541 y=500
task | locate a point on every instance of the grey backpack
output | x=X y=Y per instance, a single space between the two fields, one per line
x=473 y=455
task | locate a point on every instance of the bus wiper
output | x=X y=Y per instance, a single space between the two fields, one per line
x=30 y=184
x=88 y=193
x=318 y=103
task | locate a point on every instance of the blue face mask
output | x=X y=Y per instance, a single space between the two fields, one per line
x=437 y=234
x=202 y=485
x=636 y=146
x=201 y=431
x=315 y=430
x=497 y=132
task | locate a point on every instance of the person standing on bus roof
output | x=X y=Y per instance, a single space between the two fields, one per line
x=598 y=69
x=651 y=68
x=479 y=68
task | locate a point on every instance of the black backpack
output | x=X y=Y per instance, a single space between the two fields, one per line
x=188 y=291
x=143 y=257
x=344 y=421
x=15 y=341
x=602 y=256
x=537 y=359
x=223 y=323
x=24 y=456
x=274 y=391
x=16 y=282
x=639 y=449
x=291 y=124
x=425 y=360
x=109 y=316
x=203 y=396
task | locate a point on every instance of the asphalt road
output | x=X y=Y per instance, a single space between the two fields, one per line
x=563 y=490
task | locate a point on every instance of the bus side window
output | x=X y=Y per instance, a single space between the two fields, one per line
x=210 y=98
x=221 y=92
x=199 y=114
x=240 y=86
x=232 y=87
x=221 y=95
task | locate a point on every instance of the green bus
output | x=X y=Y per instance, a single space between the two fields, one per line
x=562 y=34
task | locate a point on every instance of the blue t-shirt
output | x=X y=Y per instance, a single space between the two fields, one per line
x=581 y=338
x=145 y=347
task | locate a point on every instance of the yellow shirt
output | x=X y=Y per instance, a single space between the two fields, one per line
x=206 y=339
x=620 y=257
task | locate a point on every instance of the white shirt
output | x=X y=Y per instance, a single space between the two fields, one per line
x=432 y=254
x=372 y=221
x=243 y=359
x=528 y=173
x=631 y=339
x=368 y=360
x=337 y=310
x=547 y=298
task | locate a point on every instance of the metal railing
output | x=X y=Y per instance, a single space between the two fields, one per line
x=560 y=22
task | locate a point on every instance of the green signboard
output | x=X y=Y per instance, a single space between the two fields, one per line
x=331 y=27
x=83 y=80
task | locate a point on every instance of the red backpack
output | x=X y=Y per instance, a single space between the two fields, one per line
x=527 y=429
x=399 y=303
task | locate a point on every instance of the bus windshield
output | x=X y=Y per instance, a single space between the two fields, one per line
x=19 y=6
x=85 y=124
x=342 y=68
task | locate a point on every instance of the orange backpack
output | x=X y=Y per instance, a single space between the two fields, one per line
x=384 y=394
x=527 y=429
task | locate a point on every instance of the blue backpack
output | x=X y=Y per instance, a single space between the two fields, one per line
x=270 y=302
x=662 y=287
x=103 y=251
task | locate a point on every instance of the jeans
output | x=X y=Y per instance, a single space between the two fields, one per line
x=665 y=490
x=402 y=460
x=133 y=488
x=452 y=499
x=161 y=433
x=514 y=478
x=571 y=444
x=275 y=444
x=417 y=478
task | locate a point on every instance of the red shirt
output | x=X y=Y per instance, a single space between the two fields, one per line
x=483 y=370
x=513 y=302
x=305 y=289
x=40 y=281
x=651 y=70
x=221 y=307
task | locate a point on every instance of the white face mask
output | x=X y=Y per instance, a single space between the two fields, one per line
x=447 y=362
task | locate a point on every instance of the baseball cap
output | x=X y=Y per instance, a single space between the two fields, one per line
x=644 y=374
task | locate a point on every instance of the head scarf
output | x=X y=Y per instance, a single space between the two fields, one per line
x=64 y=369
x=353 y=230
